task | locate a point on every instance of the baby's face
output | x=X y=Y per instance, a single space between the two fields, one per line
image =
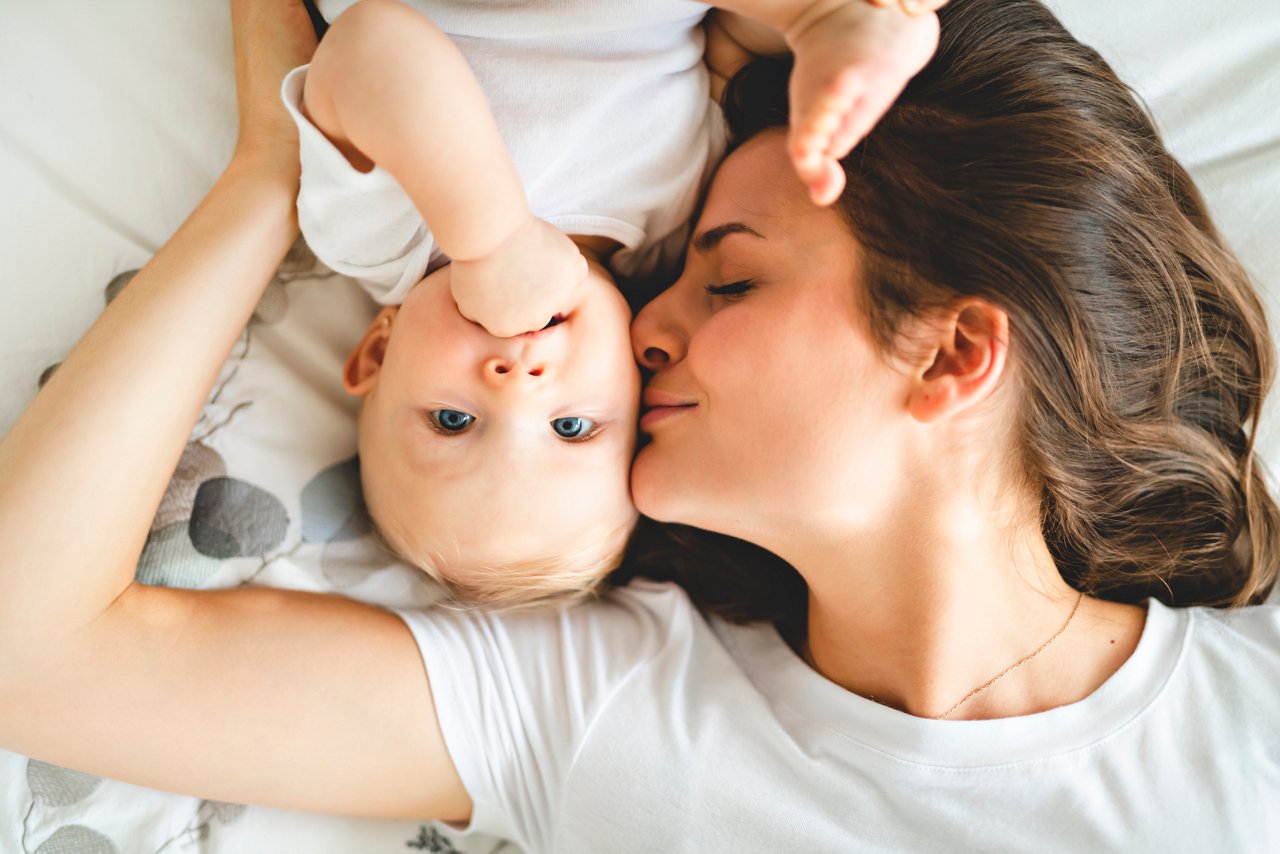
x=483 y=451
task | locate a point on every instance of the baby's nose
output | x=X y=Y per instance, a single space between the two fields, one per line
x=501 y=369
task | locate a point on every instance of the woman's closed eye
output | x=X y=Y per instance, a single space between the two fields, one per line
x=731 y=290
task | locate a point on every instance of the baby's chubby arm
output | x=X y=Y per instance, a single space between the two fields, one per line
x=732 y=42
x=852 y=59
x=387 y=87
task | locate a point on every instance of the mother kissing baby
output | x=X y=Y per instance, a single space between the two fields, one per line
x=500 y=394
x=994 y=407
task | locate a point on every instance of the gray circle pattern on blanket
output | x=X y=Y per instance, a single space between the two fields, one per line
x=116 y=285
x=170 y=559
x=333 y=504
x=56 y=786
x=47 y=374
x=232 y=518
x=199 y=463
x=77 y=839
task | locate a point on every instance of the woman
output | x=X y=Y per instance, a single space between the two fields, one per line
x=985 y=408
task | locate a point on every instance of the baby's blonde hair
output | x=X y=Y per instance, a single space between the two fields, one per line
x=563 y=577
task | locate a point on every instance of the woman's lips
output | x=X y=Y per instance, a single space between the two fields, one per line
x=660 y=406
x=653 y=398
x=659 y=414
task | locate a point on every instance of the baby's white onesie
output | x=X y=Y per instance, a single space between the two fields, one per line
x=603 y=104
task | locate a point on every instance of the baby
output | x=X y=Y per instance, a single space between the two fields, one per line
x=500 y=392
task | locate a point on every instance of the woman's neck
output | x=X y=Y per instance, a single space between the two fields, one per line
x=919 y=616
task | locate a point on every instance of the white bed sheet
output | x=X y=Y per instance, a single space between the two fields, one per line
x=115 y=118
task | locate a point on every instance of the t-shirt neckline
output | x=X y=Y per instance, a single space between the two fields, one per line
x=787 y=681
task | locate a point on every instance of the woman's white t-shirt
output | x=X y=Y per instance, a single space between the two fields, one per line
x=636 y=724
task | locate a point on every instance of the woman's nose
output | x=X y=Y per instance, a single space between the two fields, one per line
x=658 y=338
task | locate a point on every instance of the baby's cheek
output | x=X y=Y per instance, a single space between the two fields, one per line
x=623 y=384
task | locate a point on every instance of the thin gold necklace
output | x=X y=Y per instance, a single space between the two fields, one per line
x=808 y=656
x=985 y=685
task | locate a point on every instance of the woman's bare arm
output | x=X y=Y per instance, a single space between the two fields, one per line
x=250 y=695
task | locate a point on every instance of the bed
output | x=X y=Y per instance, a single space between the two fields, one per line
x=117 y=117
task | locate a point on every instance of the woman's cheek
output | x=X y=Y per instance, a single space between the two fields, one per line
x=728 y=354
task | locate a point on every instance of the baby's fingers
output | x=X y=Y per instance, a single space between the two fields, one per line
x=817 y=125
x=874 y=102
x=856 y=125
x=829 y=184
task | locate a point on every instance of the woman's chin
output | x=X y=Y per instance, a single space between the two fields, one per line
x=654 y=490
x=668 y=492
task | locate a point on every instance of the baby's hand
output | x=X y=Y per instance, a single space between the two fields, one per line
x=532 y=276
x=850 y=65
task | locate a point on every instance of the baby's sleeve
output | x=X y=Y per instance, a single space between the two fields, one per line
x=360 y=224
x=517 y=695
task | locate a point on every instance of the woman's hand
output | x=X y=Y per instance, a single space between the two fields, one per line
x=271 y=38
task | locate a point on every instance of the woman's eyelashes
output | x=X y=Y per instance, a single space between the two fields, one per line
x=572 y=429
x=730 y=291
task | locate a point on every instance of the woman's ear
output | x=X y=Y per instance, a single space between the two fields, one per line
x=968 y=344
x=360 y=373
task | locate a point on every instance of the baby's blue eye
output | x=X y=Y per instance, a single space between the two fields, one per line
x=451 y=420
x=572 y=428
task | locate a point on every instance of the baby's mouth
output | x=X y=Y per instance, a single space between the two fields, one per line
x=555 y=321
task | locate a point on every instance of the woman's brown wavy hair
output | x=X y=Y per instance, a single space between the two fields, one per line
x=1018 y=168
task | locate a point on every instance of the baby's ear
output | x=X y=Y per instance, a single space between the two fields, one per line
x=360 y=373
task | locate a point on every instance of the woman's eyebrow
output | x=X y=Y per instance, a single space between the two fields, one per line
x=710 y=239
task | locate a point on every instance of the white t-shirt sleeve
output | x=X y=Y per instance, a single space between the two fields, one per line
x=360 y=224
x=517 y=694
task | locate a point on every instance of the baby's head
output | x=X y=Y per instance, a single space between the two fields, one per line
x=500 y=466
